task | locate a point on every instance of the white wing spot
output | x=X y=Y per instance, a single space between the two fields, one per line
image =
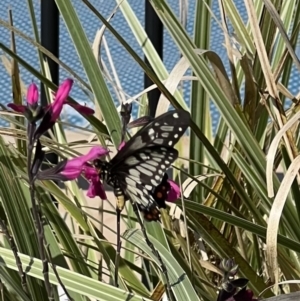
x=157 y=178
x=157 y=159
x=154 y=163
x=130 y=182
x=167 y=162
x=131 y=161
x=148 y=166
x=180 y=129
x=148 y=187
x=159 y=141
x=132 y=190
x=158 y=155
x=137 y=143
x=160 y=171
x=170 y=158
x=144 y=171
x=176 y=136
x=167 y=128
x=175 y=115
x=134 y=172
x=135 y=179
x=144 y=156
x=156 y=124
x=153 y=182
x=170 y=142
x=165 y=135
x=151 y=132
x=163 y=166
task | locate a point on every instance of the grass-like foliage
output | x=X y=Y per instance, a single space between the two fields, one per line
x=231 y=230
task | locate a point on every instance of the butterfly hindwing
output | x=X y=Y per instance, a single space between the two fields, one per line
x=147 y=166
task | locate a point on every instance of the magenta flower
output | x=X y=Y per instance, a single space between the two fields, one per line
x=53 y=111
x=96 y=187
x=73 y=168
x=59 y=100
x=174 y=192
x=32 y=95
x=32 y=99
x=122 y=144
x=49 y=113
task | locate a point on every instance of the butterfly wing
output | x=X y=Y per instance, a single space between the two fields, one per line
x=164 y=130
x=146 y=166
x=140 y=165
x=145 y=169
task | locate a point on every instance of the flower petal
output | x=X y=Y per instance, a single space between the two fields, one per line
x=70 y=173
x=32 y=94
x=122 y=144
x=90 y=172
x=81 y=109
x=96 y=188
x=54 y=109
x=60 y=97
x=76 y=166
x=174 y=192
x=17 y=108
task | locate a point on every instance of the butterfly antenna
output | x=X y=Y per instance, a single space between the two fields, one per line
x=154 y=251
x=125 y=116
x=125 y=113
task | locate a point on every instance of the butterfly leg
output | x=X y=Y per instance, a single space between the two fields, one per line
x=120 y=203
x=154 y=251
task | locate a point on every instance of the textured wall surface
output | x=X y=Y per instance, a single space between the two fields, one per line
x=130 y=75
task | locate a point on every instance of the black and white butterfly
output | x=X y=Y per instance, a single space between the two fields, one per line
x=140 y=166
x=138 y=172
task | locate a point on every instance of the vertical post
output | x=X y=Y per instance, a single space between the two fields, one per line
x=154 y=30
x=50 y=40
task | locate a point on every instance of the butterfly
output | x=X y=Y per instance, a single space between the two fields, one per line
x=138 y=169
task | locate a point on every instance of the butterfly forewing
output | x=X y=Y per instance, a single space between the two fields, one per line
x=164 y=130
x=147 y=166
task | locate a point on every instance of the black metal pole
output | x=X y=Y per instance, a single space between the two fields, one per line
x=154 y=30
x=50 y=40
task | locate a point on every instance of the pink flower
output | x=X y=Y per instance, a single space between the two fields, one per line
x=59 y=100
x=32 y=99
x=49 y=113
x=32 y=95
x=53 y=111
x=174 y=192
x=72 y=169
x=122 y=144
x=96 y=188
x=17 y=108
